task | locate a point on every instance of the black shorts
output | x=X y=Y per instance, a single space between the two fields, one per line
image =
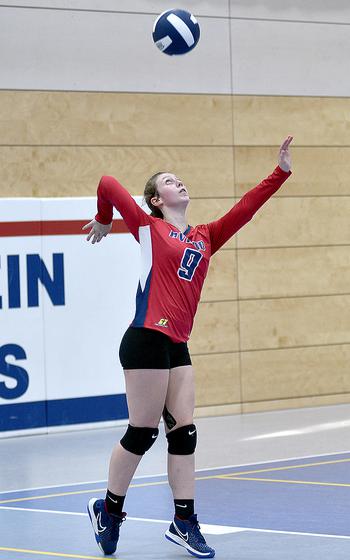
x=143 y=348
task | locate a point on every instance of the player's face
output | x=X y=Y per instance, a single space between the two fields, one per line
x=172 y=190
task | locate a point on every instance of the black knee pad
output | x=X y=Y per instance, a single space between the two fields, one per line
x=139 y=440
x=182 y=441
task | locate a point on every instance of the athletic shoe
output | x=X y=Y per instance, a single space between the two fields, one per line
x=106 y=526
x=186 y=533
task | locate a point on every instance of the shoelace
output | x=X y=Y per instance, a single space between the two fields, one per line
x=198 y=533
x=115 y=526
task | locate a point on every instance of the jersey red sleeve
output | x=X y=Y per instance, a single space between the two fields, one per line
x=222 y=229
x=111 y=193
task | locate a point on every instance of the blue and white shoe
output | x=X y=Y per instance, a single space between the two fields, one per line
x=106 y=526
x=186 y=533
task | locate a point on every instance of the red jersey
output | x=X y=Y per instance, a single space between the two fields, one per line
x=174 y=264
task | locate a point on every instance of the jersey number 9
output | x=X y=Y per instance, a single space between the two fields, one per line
x=190 y=260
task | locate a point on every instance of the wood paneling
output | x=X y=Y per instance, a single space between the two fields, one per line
x=117 y=119
x=203 y=211
x=217 y=379
x=262 y=406
x=317 y=171
x=215 y=328
x=292 y=268
x=313 y=121
x=75 y=171
x=217 y=410
x=279 y=323
x=284 y=222
x=300 y=271
x=221 y=281
x=292 y=373
x=70 y=118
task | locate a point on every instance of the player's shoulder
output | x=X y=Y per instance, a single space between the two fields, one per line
x=200 y=230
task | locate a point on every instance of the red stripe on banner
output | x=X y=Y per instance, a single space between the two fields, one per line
x=52 y=227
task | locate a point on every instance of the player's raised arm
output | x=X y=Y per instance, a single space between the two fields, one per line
x=111 y=193
x=222 y=229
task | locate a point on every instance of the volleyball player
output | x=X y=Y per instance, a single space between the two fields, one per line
x=153 y=352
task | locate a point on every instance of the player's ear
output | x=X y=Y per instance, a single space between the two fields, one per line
x=155 y=200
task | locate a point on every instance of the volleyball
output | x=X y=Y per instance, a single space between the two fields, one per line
x=176 y=32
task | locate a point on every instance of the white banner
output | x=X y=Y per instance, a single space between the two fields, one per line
x=64 y=307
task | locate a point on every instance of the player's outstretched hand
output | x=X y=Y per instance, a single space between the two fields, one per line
x=284 y=157
x=97 y=231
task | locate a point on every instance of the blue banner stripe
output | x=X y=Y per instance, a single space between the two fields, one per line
x=60 y=412
x=22 y=415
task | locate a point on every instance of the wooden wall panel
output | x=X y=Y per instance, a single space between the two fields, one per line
x=215 y=328
x=293 y=271
x=292 y=267
x=95 y=119
x=285 y=222
x=217 y=379
x=75 y=171
x=313 y=121
x=203 y=211
x=299 y=402
x=292 y=373
x=279 y=323
x=317 y=171
x=221 y=281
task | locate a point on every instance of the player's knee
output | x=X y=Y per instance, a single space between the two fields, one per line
x=139 y=440
x=182 y=441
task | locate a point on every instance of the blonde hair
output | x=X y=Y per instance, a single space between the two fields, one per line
x=151 y=191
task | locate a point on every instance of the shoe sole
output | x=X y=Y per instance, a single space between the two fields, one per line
x=91 y=513
x=178 y=540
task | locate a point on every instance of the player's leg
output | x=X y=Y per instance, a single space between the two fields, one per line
x=144 y=356
x=146 y=391
x=182 y=438
x=181 y=433
x=145 y=361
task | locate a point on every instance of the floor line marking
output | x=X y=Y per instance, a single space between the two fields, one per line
x=298 y=533
x=300 y=458
x=343 y=485
x=76 y=492
x=92 y=491
x=217 y=468
x=14 y=508
x=53 y=486
x=207 y=528
x=46 y=553
x=285 y=468
x=78 y=483
x=228 y=476
x=58 y=495
x=234 y=528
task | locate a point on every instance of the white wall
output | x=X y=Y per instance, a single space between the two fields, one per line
x=267 y=48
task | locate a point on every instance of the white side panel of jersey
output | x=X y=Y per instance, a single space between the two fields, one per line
x=146 y=254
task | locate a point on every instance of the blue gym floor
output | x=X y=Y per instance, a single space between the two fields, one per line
x=254 y=511
x=287 y=495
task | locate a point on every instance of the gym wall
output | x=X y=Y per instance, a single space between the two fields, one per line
x=84 y=92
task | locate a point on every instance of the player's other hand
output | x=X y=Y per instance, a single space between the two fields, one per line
x=97 y=231
x=284 y=157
